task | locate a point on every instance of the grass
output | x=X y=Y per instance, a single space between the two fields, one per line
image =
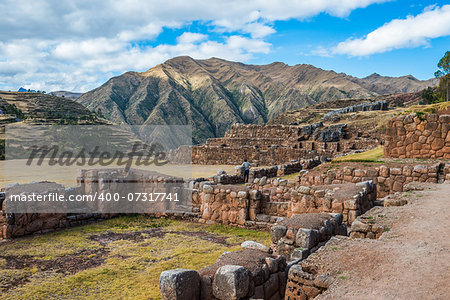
x=373 y=155
x=420 y=110
x=131 y=267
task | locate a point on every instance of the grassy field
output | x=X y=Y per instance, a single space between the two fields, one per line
x=120 y=258
x=372 y=155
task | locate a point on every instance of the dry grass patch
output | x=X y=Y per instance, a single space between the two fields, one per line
x=118 y=258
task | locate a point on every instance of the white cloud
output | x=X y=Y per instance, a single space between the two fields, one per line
x=400 y=33
x=78 y=44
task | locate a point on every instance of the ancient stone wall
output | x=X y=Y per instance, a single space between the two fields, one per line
x=419 y=136
x=250 y=273
x=90 y=181
x=206 y=155
x=19 y=224
x=283 y=198
x=387 y=179
x=300 y=235
x=275 y=144
x=265 y=200
x=268 y=172
x=304 y=283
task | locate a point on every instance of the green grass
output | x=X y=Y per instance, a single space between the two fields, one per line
x=131 y=268
x=373 y=155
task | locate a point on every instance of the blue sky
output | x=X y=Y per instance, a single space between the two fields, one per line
x=78 y=45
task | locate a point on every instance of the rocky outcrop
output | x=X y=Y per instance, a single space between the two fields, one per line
x=377 y=105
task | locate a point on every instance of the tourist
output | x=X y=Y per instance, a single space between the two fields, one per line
x=246 y=168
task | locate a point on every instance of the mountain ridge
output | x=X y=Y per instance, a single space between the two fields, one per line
x=214 y=93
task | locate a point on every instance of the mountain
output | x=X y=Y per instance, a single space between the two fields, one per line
x=22 y=90
x=66 y=94
x=213 y=94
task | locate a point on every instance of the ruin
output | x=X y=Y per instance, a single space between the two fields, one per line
x=277 y=144
x=302 y=214
x=419 y=136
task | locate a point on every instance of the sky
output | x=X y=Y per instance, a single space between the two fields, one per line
x=77 y=45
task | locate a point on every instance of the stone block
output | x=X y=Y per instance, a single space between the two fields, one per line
x=277 y=232
x=272 y=263
x=180 y=284
x=255 y=246
x=300 y=253
x=307 y=238
x=357 y=225
x=271 y=286
x=231 y=282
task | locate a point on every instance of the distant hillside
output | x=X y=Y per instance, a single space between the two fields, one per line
x=39 y=108
x=66 y=94
x=213 y=94
x=315 y=112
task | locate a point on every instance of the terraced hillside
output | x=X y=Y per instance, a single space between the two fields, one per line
x=36 y=108
x=45 y=109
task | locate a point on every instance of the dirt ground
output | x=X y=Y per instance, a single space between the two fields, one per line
x=411 y=260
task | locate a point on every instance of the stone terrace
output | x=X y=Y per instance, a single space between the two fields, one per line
x=276 y=144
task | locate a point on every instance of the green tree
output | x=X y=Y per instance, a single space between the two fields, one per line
x=444 y=74
x=429 y=95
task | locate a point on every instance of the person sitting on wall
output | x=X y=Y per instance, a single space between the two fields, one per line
x=246 y=168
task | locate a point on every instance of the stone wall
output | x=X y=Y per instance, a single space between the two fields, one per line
x=300 y=235
x=304 y=283
x=268 y=172
x=227 y=204
x=389 y=179
x=446 y=171
x=275 y=144
x=283 y=198
x=250 y=273
x=213 y=155
x=419 y=136
x=90 y=181
x=19 y=224
x=262 y=202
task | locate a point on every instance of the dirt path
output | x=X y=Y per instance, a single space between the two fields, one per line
x=411 y=261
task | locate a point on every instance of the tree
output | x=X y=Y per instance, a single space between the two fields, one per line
x=444 y=73
x=429 y=95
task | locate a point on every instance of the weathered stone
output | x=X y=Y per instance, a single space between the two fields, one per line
x=180 y=284
x=272 y=263
x=271 y=286
x=360 y=226
x=307 y=238
x=277 y=232
x=206 y=292
x=254 y=245
x=300 y=253
x=231 y=282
